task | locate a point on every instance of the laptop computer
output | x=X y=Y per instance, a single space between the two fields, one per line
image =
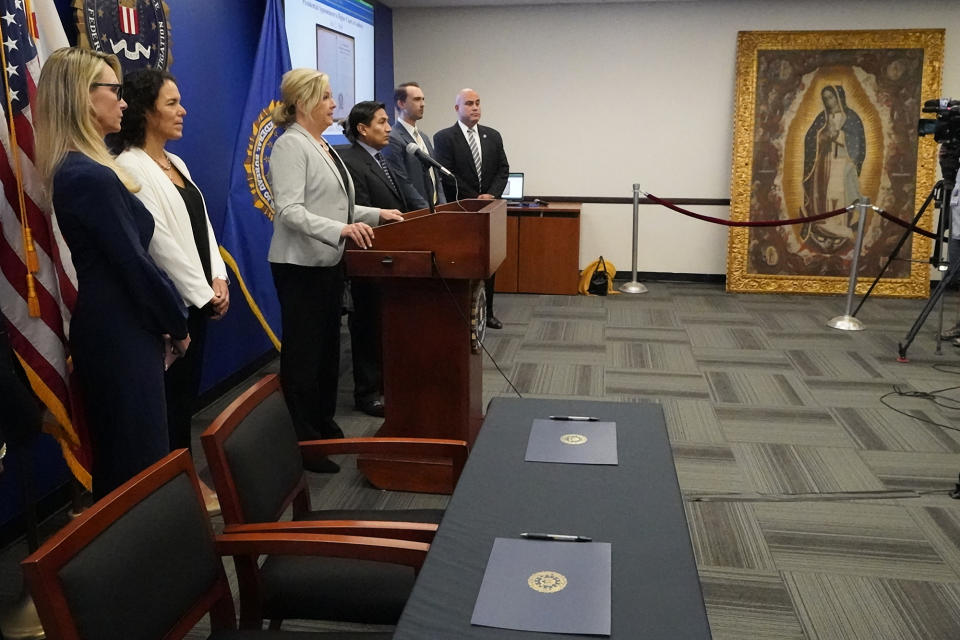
x=513 y=192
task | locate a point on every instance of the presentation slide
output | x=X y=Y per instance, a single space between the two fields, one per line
x=336 y=37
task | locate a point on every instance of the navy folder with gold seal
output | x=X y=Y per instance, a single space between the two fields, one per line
x=572 y=442
x=547 y=586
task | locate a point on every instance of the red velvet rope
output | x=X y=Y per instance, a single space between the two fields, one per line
x=744 y=223
x=779 y=223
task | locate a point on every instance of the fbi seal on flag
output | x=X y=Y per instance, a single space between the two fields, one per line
x=264 y=134
x=136 y=31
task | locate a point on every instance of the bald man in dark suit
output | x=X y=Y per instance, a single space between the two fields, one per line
x=474 y=154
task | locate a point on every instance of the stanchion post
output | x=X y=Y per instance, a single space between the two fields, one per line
x=847 y=322
x=633 y=286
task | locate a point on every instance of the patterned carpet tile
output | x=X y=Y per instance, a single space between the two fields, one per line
x=589 y=312
x=651 y=355
x=724 y=320
x=791 y=469
x=659 y=315
x=709 y=358
x=647 y=334
x=843 y=607
x=559 y=379
x=726 y=534
x=707 y=468
x=851 y=538
x=691 y=421
x=834 y=364
x=657 y=384
x=809 y=426
x=825 y=338
x=536 y=352
x=502 y=347
x=579 y=332
x=718 y=337
x=941 y=525
x=707 y=301
x=745 y=604
x=886 y=430
x=757 y=388
x=849 y=392
x=916 y=471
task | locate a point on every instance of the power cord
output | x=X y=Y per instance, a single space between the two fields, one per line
x=937 y=399
x=466 y=320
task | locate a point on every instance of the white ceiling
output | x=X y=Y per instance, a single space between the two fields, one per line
x=405 y=4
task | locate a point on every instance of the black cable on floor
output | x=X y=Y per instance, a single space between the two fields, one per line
x=466 y=320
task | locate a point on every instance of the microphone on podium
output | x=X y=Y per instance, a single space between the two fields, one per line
x=414 y=150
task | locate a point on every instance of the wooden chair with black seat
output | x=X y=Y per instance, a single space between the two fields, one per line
x=143 y=564
x=257 y=468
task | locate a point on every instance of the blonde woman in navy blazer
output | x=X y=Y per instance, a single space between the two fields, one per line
x=314 y=214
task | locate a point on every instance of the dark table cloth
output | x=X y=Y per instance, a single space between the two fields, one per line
x=635 y=505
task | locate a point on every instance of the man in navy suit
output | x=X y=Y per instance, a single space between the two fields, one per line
x=475 y=155
x=409 y=101
x=375 y=186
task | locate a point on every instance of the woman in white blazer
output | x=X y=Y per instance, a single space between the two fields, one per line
x=183 y=243
x=314 y=214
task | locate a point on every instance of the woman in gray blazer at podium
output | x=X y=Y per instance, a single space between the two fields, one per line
x=314 y=214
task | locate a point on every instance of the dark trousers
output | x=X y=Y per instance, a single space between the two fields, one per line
x=310 y=301
x=488 y=289
x=365 y=340
x=182 y=382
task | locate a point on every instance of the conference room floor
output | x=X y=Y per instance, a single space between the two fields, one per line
x=815 y=510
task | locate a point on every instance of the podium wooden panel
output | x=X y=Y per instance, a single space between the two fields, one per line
x=430 y=267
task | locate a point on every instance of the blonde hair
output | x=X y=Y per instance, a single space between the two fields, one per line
x=65 y=119
x=299 y=86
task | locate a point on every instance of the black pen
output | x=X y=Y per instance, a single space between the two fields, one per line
x=574 y=418
x=556 y=537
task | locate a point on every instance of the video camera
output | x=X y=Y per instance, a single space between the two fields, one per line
x=946 y=126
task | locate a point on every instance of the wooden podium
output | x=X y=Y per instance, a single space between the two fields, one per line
x=430 y=268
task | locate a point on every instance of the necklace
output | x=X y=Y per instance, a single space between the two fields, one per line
x=165 y=167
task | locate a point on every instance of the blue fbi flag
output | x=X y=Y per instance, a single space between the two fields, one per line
x=249 y=218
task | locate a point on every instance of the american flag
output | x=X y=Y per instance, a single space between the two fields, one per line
x=129 y=22
x=37 y=281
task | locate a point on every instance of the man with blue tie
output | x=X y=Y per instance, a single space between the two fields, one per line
x=368 y=128
x=410 y=102
x=475 y=155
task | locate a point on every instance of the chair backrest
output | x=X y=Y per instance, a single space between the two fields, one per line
x=140 y=564
x=254 y=456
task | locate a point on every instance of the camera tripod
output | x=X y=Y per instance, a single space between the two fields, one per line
x=949 y=165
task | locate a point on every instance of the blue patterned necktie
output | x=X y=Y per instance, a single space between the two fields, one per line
x=383 y=165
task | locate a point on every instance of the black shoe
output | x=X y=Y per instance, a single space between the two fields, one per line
x=322 y=464
x=371 y=407
x=331 y=431
x=493 y=323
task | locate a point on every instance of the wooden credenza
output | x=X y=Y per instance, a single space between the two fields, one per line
x=543 y=250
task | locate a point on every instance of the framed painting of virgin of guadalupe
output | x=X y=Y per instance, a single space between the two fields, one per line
x=823 y=120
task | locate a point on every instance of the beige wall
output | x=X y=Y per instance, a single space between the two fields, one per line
x=591 y=99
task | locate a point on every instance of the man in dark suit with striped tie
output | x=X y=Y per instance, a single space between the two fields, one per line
x=474 y=154
x=375 y=186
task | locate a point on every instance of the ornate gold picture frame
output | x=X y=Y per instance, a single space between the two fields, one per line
x=823 y=118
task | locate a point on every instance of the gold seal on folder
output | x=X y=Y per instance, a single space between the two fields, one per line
x=547 y=581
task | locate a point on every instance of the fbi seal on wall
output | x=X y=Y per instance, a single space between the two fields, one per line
x=547 y=581
x=136 y=31
x=257 y=162
x=573 y=438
